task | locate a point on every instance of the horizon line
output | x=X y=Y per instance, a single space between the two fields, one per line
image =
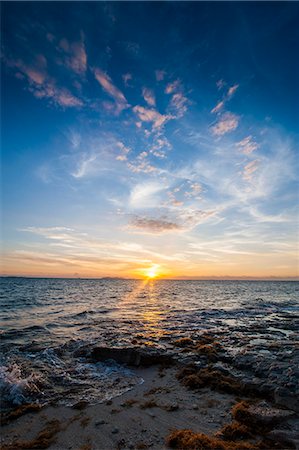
x=179 y=278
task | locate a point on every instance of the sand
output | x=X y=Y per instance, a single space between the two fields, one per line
x=140 y=418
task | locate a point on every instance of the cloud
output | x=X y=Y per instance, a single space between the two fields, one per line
x=227 y=122
x=220 y=84
x=218 y=107
x=191 y=217
x=149 y=96
x=107 y=85
x=60 y=96
x=75 y=57
x=57 y=233
x=124 y=151
x=179 y=104
x=153 y=226
x=144 y=195
x=228 y=96
x=151 y=115
x=232 y=90
x=42 y=85
x=160 y=147
x=139 y=166
x=160 y=74
x=249 y=169
x=247 y=145
x=84 y=166
x=133 y=48
x=173 y=87
x=194 y=191
x=126 y=78
x=184 y=220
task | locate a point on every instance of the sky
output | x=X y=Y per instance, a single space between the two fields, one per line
x=150 y=138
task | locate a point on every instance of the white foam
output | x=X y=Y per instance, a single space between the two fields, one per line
x=16 y=388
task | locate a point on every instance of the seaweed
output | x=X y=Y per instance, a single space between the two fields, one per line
x=43 y=440
x=20 y=411
x=194 y=378
x=234 y=431
x=85 y=421
x=188 y=439
x=149 y=404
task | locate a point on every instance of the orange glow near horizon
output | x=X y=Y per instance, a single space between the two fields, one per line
x=152 y=272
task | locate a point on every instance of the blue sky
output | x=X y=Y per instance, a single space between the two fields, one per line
x=141 y=135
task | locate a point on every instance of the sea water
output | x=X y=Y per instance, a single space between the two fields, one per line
x=46 y=323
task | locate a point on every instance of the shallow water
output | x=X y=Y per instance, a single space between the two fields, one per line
x=45 y=322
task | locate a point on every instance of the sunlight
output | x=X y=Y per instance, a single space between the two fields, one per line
x=152 y=272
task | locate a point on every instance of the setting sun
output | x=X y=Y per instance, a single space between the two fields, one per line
x=152 y=271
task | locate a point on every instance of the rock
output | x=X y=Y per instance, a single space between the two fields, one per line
x=115 y=430
x=264 y=414
x=194 y=406
x=284 y=436
x=80 y=405
x=130 y=356
x=100 y=422
x=285 y=398
x=171 y=407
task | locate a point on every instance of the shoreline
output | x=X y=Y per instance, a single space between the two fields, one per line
x=175 y=396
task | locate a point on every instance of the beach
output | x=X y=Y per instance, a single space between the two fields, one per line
x=150 y=415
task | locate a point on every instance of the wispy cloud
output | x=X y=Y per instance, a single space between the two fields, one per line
x=232 y=90
x=149 y=96
x=227 y=122
x=172 y=87
x=179 y=102
x=145 y=195
x=249 y=169
x=84 y=166
x=60 y=96
x=160 y=74
x=42 y=85
x=126 y=78
x=75 y=57
x=220 y=105
x=124 y=151
x=108 y=86
x=151 y=115
x=220 y=84
x=247 y=145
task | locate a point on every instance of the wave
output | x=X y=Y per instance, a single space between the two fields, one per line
x=16 y=388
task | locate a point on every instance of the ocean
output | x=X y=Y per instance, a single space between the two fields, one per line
x=49 y=325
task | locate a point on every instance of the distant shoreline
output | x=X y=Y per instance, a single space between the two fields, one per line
x=295 y=279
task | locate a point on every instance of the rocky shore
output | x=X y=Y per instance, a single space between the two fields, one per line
x=200 y=391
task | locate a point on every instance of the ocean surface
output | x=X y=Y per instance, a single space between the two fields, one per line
x=45 y=324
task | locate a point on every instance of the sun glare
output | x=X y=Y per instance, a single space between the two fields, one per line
x=152 y=272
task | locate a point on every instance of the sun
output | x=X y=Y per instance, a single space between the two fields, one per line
x=152 y=271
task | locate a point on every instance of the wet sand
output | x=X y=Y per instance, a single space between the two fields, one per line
x=145 y=416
